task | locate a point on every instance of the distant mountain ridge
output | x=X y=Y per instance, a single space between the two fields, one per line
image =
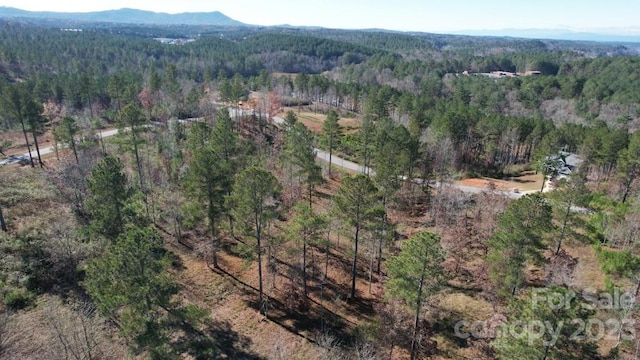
x=216 y=18
x=127 y=16
x=555 y=34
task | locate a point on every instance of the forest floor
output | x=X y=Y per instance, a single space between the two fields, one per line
x=293 y=324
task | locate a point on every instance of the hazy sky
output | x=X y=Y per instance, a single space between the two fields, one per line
x=418 y=15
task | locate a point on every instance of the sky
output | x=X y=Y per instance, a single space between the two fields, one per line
x=615 y=16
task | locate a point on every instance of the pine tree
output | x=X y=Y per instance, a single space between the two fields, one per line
x=415 y=273
x=33 y=113
x=18 y=106
x=207 y=181
x=571 y=192
x=66 y=132
x=131 y=123
x=366 y=142
x=307 y=228
x=539 y=328
x=629 y=165
x=519 y=239
x=224 y=142
x=331 y=132
x=357 y=200
x=130 y=283
x=299 y=151
x=254 y=199
x=109 y=194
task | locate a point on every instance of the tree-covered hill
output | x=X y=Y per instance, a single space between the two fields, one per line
x=208 y=226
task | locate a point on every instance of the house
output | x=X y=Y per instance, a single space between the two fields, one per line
x=563 y=164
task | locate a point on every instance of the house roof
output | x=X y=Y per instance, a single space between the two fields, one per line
x=573 y=160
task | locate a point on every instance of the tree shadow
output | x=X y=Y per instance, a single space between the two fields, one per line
x=308 y=323
x=213 y=340
x=304 y=323
x=445 y=326
x=228 y=343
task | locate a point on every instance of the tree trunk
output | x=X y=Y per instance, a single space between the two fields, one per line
x=355 y=263
x=26 y=140
x=138 y=162
x=259 y=246
x=214 y=240
x=104 y=150
x=381 y=238
x=371 y=259
x=515 y=286
x=627 y=189
x=304 y=265
x=564 y=227
x=3 y=225
x=214 y=250
x=35 y=141
x=417 y=317
x=330 y=152
x=177 y=229
x=75 y=151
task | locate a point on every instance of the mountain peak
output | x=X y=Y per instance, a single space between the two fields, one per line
x=127 y=15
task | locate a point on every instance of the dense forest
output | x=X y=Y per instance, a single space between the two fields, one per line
x=285 y=193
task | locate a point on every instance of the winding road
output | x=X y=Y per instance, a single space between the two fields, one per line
x=47 y=150
x=320 y=154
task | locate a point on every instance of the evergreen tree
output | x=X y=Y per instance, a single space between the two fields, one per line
x=290 y=119
x=307 y=228
x=131 y=123
x=358 y=202
x=571 y=192
x=300 y=151
x=254 y=198
x=207 y=181
x=518 y=240
x=131 y=284
x=66 y=132
x=415 y=273
x=366 y=142
x=109 y=195
x=331 y=132
x=224 y=142
x=539 y=328
x=33 y=112
x=115 y=89
x=629 y=165
x=14 y=102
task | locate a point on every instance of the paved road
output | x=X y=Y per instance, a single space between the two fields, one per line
x=320 y=154
x=335 y=160
x=48 y=150
x=338 y=161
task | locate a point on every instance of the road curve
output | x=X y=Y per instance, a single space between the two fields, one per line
x=320 y=154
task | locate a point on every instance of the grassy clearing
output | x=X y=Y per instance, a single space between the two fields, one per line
x=314 y=121
x=527 y=181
